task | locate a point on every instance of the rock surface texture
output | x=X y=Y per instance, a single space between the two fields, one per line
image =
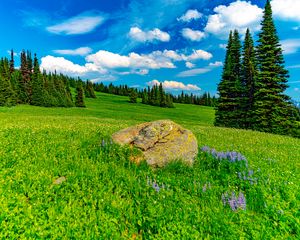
x=161 y=142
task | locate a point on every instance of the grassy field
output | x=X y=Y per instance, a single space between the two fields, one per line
x=104 y=196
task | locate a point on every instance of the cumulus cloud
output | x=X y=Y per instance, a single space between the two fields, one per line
x=286 y=9
x=238 y=15
x=199 y=54
x=216 y=64
x=290 y=46
x=105 y=62
x=73 y=52
x=62 y=65
x=149 y=36
x=107 y=59
x=173 y=85
x=189 y=65
x=193 y=35
x=176 y=56
x=81 y=24
x=190 y=15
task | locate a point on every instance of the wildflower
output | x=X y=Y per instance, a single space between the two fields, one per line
x=234 y=202
x=241 y=201
x=205 y=149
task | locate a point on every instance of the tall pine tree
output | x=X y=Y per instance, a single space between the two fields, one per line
x=79 y=100
x=249 y=75
x=225 y=103
x=271 y=105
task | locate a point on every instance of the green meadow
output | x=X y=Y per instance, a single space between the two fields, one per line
x=105 y=196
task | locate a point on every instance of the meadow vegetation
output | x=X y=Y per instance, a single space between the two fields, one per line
x=244 y=184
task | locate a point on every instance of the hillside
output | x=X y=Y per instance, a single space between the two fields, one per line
x=106 y=196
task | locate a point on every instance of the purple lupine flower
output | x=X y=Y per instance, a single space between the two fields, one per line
x=233 y=204
x=214 y=152
x=250 y=173
x=205 y=149
x=155 y=186
x=241 y=201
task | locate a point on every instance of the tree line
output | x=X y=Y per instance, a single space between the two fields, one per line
x=149 y=98
x=253 y=83
x=28 y=85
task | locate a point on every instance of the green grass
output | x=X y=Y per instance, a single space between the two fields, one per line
x=107 y=197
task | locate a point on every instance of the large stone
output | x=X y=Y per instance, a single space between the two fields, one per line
x=161 y=142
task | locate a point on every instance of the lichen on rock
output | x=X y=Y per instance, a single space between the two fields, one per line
x=160 y=141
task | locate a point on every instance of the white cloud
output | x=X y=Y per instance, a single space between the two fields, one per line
x=73 y=52
x=286 y=9
x=62 y=65
x=176 y=56
x=216 y=64
x=105 y=62
x=290 y=46
x=189 y=65
x=190 y=15
x=192 y=34
x=150 y=36
x=222 y=45
x=110 y=60
x=173 y=85
x=238 y=15
x=199 y=54
x=194 y=72
x=80 y=24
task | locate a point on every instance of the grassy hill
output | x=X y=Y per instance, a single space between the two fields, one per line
x=105 y=196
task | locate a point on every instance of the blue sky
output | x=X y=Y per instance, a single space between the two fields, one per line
x=140 y=42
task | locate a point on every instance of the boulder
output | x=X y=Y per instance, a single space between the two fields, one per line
x=160 y=142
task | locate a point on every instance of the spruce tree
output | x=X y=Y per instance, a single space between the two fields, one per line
x=225 y=102
x=271 y=105
x=236 y=89
x=133 y=96
x=79 y=101
x=7 y=95
x=12 y=62
x=145 y=97
x=249 y=75
x=89 y=90
x=38 y=94
x=24 y=84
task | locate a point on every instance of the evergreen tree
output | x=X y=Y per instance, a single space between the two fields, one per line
x=249 y=75
x=169 y=102
x=12 y=62
x=7 y=95
x=226 y=100
x=145 y=97
x=271 y=105
x=24 y=84
x=89 y=90
x=133 y=96
x=162 y=96
x=37 y=97
x=79 y=102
